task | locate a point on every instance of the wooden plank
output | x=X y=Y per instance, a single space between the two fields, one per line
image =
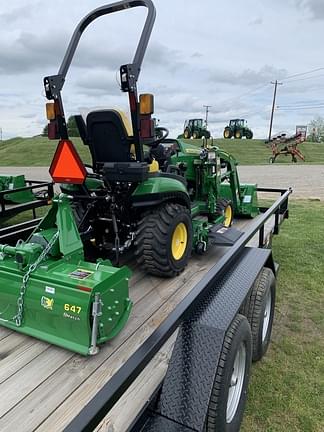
x=4 y=332
x=141 y=389
x=17 y=352
x=26 y=380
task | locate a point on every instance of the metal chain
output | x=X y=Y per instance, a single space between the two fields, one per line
x=20 y=301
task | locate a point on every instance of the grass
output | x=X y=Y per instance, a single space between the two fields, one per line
x=36 y=151
x=286 y=391
x=39 y=151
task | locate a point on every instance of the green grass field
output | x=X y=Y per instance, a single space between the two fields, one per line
x=38 y=151
x=286 y=392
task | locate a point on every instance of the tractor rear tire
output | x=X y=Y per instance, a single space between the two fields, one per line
x=164 y=240
x=238 y=134
x=227 y=133
x=229 y=392
x=225 y=207
x=259 y=310
x=186 y=134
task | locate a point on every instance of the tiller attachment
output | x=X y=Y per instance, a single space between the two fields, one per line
x=48 y=291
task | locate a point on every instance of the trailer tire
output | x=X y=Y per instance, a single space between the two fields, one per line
x=164 y=240
x=227 y=401
x=260 y=311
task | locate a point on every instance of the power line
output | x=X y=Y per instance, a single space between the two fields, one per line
x=300 y=108
x=304 y=73
x=304 y=79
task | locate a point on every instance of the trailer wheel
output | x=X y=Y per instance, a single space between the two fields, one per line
x=260 y=311
x=227 y=401
x=224 y=207
x=164 y=240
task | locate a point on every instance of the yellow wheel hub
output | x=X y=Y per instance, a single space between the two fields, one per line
x=227 y=133
x=179 y=241
x=228 y=216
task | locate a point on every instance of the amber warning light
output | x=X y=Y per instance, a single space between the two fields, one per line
x=66 y=166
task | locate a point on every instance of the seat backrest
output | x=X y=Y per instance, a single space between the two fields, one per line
x=107 y=137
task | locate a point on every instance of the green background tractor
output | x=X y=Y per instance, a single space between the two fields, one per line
x=195 y=128
x=237 y=128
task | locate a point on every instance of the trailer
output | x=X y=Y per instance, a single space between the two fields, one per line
x=158 y=373
x=18 y=195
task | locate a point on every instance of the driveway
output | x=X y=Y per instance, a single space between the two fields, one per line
x=307 y=181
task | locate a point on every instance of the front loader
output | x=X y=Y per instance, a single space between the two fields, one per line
x=160 y=199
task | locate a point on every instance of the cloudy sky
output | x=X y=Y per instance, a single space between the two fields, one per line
x=219 y=53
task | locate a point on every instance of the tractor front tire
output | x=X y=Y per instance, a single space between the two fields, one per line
x=225 y=208
x=195 y=135
x=238 y=134
x=249 y=135
x=186 y=134
x=164 y=240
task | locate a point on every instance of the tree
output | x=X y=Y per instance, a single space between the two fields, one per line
x=316 y=129
x=45 y=131
x=73 y=130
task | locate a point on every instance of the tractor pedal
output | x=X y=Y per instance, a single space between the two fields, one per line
x=224 y=236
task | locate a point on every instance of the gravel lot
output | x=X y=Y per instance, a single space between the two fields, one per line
x=307 y=181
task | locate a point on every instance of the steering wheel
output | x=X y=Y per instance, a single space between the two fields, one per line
x=165 y=133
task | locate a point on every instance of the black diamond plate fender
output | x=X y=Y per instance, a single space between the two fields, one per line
x=188 y=383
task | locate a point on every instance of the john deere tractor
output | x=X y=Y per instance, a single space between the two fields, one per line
x=65 y=283
x=195 y=128
x=238 y=129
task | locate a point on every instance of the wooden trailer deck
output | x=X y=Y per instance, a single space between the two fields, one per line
x=42 y=387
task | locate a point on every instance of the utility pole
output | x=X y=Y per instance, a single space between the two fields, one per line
x=207 y=111
x=276 y=83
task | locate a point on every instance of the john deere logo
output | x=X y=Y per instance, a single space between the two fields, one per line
x=47 y=303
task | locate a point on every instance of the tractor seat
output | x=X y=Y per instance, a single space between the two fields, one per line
x=108 y=135
x=108 y=138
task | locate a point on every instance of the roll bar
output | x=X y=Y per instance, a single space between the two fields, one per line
x=54 y=84
x=129 y=73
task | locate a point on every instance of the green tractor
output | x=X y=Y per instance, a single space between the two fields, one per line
x=196 y=129
x=65 y=284
x=238 y=129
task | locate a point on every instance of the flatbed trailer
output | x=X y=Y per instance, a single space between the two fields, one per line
x=42 y=192
x=46 y=388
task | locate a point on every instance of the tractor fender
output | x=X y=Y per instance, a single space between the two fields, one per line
x=158 y=189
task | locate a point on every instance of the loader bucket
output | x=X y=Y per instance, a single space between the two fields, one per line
x=76 y=306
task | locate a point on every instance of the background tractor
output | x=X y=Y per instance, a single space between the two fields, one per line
x=238 y=128
x=195 y=128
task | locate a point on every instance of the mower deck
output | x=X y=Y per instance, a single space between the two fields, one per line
x=46 y=386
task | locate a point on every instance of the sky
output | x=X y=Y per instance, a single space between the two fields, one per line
x=219 y=53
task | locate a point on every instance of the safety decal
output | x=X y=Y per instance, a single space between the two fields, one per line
x=80 y=274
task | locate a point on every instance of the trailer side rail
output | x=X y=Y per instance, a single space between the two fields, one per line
x=45 y=189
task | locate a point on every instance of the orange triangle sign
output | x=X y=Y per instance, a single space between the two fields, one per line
x=66 y=166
